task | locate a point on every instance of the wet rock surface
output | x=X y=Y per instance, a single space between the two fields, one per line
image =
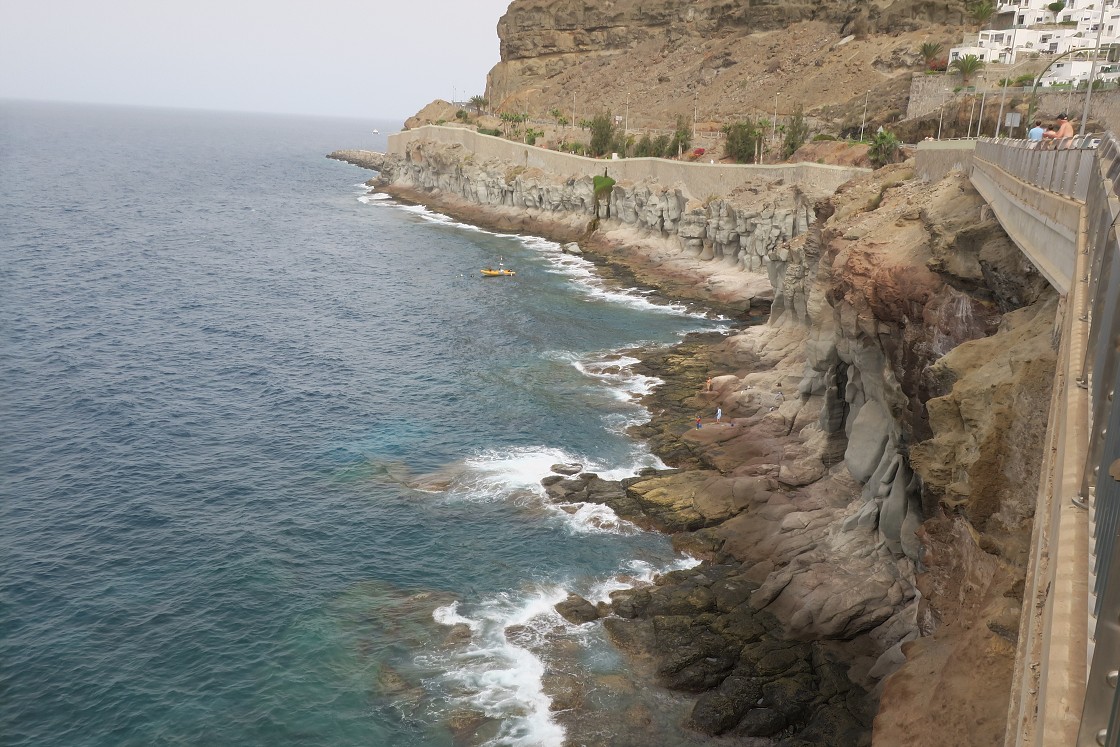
x=704 y=637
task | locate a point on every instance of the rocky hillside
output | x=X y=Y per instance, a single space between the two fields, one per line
x=717 y=60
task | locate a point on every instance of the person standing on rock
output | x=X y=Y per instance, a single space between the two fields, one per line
x=708 y=386
x=697 y=422
x=719 y=414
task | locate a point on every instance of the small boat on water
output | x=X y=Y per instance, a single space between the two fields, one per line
x=490 y=272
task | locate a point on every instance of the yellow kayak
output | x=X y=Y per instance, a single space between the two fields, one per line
x=490 y=273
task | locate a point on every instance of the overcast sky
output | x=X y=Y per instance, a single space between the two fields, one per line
x=366 y=58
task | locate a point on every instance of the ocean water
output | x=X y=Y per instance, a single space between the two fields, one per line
x=272 y=447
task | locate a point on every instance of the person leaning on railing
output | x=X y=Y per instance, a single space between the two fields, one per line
x=1062 y=137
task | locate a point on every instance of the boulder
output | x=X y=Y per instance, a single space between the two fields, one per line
x=577 y=610
x=567 y=469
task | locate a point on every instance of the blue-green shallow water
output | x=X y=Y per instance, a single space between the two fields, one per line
x=265 y=443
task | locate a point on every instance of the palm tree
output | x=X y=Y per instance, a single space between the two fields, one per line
x=884 y=149
x=479 y=102
x=930 y=51
x=967 y=66
x=982 y=11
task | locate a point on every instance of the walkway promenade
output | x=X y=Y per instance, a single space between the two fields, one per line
x=700 y=179
x=1060 y=207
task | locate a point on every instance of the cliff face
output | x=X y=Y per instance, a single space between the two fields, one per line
x=539 y=28
x=746 y=231
x=892 y=408
x=712 y=60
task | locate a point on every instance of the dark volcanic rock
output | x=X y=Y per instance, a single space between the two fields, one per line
x=633 y=636
x=698 y=660
x=703 y=636
x=630 y=603
x=577 y=610
x=764 y=722
x=586 y=488
x=718 y=711
x=567 y=469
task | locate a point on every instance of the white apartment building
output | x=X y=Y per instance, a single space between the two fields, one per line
x=1026 y=28
x=1029 y=12
x=1078 y=71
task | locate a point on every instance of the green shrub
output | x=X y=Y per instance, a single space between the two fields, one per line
x=602 y=133
x=490 y=131
x=682 y=139
x=573 y=147
x=797 y=132
x=741 y=140
x=603 y=186
x=823 y=136
x=884 y=149
x=644 y=147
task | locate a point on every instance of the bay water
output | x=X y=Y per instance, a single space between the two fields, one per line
x=272 y=446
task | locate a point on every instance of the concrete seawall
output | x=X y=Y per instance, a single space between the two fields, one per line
x=1042 y=224
x=933 y=159
x=699 y=180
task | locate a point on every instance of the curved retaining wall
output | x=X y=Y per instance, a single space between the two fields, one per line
x=700 y=180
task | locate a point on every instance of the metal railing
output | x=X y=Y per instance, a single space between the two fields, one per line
x=1061 y=166
x=1100 y=485
x=1088 y=169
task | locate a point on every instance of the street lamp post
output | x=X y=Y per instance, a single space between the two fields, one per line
x=774 y=130
x=1092 y=73
x=980 y=120
x=863 y=125
x=626 y=121
x=1002 y=98
x=695 y=113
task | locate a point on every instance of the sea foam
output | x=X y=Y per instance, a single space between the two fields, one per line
x=503 y=679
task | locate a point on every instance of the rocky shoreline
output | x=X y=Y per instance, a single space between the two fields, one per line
x=697 y=630
x=862 y=542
